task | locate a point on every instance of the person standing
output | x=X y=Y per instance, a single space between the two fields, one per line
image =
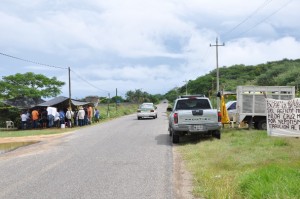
x=28 y=124
x=56 y=120
x=62 y=117
x=81 y=116
x=75 y=117
x=97 y=115
x=85 y=121
x=51 y=113
x=35 y=118
x=90 y=114
x=44 y=118
x=23 y=120
x=69 y=115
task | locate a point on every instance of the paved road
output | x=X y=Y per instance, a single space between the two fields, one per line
x=122 y=158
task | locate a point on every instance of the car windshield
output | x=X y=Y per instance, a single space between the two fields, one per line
x=190 y=104
x=231 y=105
x=146 y=107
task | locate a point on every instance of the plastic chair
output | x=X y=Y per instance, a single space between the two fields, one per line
x=10 y=124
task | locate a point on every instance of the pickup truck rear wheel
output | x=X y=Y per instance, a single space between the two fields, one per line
x=216 y=134
x=175 y=137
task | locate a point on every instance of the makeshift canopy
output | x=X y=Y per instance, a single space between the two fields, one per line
x=62 y=102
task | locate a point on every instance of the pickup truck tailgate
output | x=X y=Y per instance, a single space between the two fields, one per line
x=197 y=116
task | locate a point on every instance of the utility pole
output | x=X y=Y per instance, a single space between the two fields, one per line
x=116 y=99
x=70 y=103
x=108 y=102
x=186 y=82
x=217 y=62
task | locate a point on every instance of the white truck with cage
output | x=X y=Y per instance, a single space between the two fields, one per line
x=251 y=103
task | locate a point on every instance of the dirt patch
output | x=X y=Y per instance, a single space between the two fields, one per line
x=33 y=138
x=43 y=142
x=183 y=180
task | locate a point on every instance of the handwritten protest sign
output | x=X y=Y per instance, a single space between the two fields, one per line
x=283 y=117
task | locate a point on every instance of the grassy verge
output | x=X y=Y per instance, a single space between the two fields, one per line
x=244 y=164
x=121 y=110
x=22 y=133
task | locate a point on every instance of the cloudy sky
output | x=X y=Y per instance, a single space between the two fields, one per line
x=140 y=44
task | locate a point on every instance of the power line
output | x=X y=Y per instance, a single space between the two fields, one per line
x=34 y=62
x=42 y=64
x=247 y=18
x=88 y=82
x=273 y=13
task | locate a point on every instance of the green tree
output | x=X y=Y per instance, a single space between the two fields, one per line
x=116 y=99
x=29 y=85
x=276 y=73
x=172 y=94
x=138 y=96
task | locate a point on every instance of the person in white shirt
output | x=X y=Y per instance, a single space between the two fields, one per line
x=69 y=116
x=24 y=120
x=51 y=114
x=56 y=120
x=81 y=114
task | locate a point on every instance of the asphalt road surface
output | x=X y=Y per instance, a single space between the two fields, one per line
x=122 y=158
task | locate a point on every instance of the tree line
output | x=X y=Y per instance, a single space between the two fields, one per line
x=276 y=73
x=39 y=86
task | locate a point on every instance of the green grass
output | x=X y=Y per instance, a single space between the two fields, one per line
x=21 y=133
x=237 y=165
x=272 y=181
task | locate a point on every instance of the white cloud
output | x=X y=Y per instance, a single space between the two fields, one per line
x=154 y=45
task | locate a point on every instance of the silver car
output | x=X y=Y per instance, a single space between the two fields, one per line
x=146 y=110
x=231 y=109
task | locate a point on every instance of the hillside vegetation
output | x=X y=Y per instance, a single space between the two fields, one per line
x=277 y=73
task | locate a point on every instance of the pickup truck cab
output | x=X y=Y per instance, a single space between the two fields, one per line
x=193 y=114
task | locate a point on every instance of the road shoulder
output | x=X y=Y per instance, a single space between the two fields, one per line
x=183 y=180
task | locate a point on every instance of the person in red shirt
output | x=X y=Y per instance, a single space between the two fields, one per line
x=90 y=114
x=35 y=118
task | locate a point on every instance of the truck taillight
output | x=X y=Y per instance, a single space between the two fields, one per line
x=219 y=116
x=175 y=118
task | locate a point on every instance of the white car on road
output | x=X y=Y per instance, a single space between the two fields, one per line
x=146 y=110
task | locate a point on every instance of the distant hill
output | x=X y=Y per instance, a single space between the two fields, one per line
x=276 y=73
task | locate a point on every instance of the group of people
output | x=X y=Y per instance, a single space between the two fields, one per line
x=51 y=117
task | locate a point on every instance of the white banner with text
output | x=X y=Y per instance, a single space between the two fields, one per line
x=283 y=117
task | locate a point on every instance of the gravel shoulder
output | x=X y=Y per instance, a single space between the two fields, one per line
x=183 y=179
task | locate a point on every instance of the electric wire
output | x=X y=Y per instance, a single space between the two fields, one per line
x=86 y=81
x=48 y=65
x=267 y=17
x=247 y=18
x=34 y=62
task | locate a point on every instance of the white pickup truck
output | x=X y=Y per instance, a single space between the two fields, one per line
x=193 y=114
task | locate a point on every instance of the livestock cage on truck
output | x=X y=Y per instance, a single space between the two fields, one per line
x=251 y=103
